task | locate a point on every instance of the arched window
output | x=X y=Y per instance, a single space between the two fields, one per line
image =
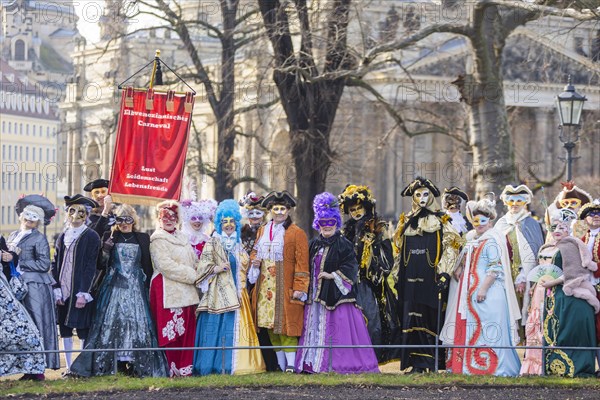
x=20 y=50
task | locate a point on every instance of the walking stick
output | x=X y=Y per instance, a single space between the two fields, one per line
x=443 y=281
x=437 y=332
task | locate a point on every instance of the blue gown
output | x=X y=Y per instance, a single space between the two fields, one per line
x=215 y=330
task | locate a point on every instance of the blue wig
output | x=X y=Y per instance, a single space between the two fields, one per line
x=326 y=206
x=229 y=209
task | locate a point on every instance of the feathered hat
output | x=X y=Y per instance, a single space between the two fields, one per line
x=251 y=201
x=326 y=206
x=228 y=209
x=355 y=194
x=201 y=211
x=39 y=201
x=571 y=191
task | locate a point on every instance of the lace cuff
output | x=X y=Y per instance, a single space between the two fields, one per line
x=253 y=274
x=203 y=284
x=88 y=297
x=344 y=287
x=521 y=278
x=304 y=297
x=57 y=294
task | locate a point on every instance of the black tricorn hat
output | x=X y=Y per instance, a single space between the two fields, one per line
x=98 y=183
x=589 y=207
x=276 y=198
x=455 y=190
x=418 y=183
x=79 y=199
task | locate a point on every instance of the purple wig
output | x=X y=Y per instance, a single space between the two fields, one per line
x=326 y=206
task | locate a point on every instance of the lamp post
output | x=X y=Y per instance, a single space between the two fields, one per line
x=569 y=105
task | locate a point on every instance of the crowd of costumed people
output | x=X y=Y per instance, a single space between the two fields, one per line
x=453 y=287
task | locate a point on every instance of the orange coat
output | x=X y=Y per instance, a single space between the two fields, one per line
x=290 y=321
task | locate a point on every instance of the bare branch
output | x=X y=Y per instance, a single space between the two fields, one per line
x=306 y=46
x=403 y=43
x=184 y=34
x=249 y=39
x=246 y=16
x=254 y=136
x=540 y=183
x=400 y=121
x=337 y=36
x=237 y=181
x=541 y=10
x=258 y=106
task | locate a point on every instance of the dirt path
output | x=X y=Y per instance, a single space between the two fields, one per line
x=342 y=393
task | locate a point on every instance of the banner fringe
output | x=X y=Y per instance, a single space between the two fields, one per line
x=138 y=200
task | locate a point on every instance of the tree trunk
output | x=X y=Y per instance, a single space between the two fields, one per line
x=224 y=169
x=224 y=112
x=310 y=106
x=311 y=170
x=310 y=129
x=489 y=136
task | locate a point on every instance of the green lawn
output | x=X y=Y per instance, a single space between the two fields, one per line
x=120 y=383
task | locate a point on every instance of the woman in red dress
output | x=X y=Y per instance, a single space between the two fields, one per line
x=173 y=295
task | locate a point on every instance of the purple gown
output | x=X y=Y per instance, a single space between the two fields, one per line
x=338 y=323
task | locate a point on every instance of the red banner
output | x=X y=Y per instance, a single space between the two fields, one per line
x=151 y=146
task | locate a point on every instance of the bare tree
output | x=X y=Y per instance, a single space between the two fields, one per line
x=233 y=32
x=311 y=91
x=310 y=104
x=487 y=26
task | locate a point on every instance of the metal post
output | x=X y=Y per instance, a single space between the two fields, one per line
x=543 y=358
x=222 y=355
x=330 y=355
x=437 y=333
x=569 y=146
x=115 y=363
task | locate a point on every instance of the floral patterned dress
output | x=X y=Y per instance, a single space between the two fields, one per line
x=18 y=333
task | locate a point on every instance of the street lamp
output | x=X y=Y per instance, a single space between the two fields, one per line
x=569 y=105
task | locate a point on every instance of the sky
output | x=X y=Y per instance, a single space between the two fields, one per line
x=89 y=13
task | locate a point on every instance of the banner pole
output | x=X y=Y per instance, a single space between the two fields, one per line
x=156 y=62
